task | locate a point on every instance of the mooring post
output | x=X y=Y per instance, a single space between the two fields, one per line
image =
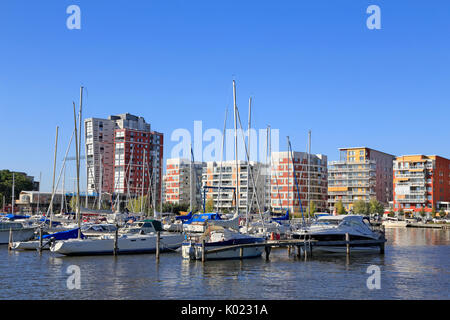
x=289 y=250
x=203 y=251
x=116 y=236
x=267 y=249
x=10 y=240
x=347 y=241
x=310 y=247
x=40 y=240
x=305 y=251
x=158 y=241
x=241 y=252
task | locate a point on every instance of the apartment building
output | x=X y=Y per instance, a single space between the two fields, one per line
x=99 y=143
x=421 y=182
x=227 y=174
x=178 y=181
x=360 y=174
x=124 y=155
x=311 y=175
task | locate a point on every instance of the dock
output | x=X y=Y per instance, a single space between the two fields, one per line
x=305 y=246
x=429 y=225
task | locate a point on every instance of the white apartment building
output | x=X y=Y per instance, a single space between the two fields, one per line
x=223 y=174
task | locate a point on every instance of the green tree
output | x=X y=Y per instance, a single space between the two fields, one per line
x=375 y=207
x=21 y=183
x=442 y=213
x=361 y=207
x=422 y=212
x=433 y=212
x=311 y=209
x=340 y=209
x=391 y=213
x=73 y=204
x=209 y=205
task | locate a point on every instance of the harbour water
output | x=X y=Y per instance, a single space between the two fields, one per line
x=416 y=265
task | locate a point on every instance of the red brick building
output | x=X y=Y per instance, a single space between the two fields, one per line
x=421 y=182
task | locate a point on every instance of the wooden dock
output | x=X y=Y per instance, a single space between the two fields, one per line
x=304 y=246
x=430 y=225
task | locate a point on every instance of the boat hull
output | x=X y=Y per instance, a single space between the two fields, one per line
x=17 y=235
x=126 y=245
x=193 y=250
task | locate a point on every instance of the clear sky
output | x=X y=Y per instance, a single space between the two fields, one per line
x=307 y=64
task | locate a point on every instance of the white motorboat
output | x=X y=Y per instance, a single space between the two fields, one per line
x=126 y=244
x=219 y=237
x=20 y=232
x=335 y=228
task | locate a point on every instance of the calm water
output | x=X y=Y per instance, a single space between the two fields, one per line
x=416 y=265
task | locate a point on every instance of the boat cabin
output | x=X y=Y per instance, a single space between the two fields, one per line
x=143 y=227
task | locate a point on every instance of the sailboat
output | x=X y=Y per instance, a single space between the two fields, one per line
x=225 y=233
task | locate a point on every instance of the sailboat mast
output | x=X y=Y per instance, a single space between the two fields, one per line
x=249 y=205
x=309 y=173
x=101 y=183
x=12 y=194
x=191 y=180
x=143 y=182
x=39 y=192
x=77 y=156
x=236 y=147
x=288 y=178
x=54 y=171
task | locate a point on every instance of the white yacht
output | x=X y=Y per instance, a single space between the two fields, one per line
x=334 y=228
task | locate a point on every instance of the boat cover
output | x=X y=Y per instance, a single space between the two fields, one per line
x=64 y=235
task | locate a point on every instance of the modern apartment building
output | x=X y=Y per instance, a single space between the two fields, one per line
x=360 y=174
x=311 y=179
x=224 y=173
x=178 y=181
x=421 y=182
x=123 y=155
x=99 y=139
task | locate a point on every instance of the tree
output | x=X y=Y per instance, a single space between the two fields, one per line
x=442 y=213
x=21 y=183
x=361 y=207
x=401 y=212
x=375 y=207
x=209 y=205
x=340 y=209
x=311 y=209
x=433 y=212
x=422 y=212
x=73 y=204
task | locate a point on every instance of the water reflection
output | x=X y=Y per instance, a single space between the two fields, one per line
x=415 y=266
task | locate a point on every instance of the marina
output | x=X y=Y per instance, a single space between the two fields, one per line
x=414 y=266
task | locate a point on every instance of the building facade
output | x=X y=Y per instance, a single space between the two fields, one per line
x=178 y=181
x=124 y=156
x=421 y=182
x=227 y=174
x=360 y=174
x=311 y=175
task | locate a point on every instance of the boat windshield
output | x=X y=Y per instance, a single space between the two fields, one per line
x=333 y=222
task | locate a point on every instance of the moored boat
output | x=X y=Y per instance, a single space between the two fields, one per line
x=335 y=228
x=19 y=231
x=221 y=238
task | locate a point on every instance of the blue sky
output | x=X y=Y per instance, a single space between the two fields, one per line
x=307 y=64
